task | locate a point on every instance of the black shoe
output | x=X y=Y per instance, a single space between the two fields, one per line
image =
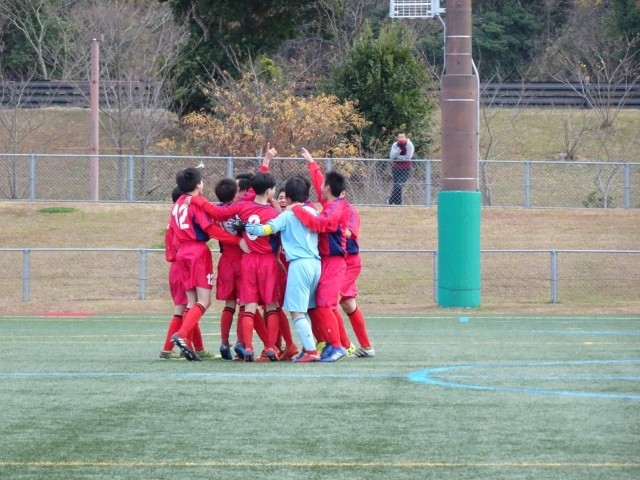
x=182 y=345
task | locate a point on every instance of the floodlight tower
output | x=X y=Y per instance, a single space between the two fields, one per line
x=459 y=206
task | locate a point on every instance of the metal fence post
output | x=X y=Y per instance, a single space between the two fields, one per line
x=26 y=274
x=627 y=186
x=435 y=276
x=130 y=180
x=554 y=276
x=32 y=177
x=142 y=277
x=230 y=167
x=527 y=184
x=427 y=183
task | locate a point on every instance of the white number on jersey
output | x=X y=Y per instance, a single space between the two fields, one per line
x=180 y=213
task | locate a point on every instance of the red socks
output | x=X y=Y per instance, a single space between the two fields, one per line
x=226 y=320
x=359 y=328
x=248 y=319
x=344 y=337
x=273 y=325
x=174 y=326
x=190 y=320
x=285 y=329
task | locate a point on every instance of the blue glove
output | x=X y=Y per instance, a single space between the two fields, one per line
x=254 y=229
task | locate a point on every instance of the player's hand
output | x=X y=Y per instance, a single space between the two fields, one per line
x=253 y=229
x=306 y=155
x=238 y=225
x=268 y=155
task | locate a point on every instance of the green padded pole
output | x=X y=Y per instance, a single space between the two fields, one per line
x=459 y=276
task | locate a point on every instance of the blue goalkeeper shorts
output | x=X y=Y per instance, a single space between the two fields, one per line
x=303 y=275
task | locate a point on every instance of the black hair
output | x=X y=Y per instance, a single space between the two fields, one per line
x=226 y=190
x=188 y=179
x=307 y=184
x=261 y=182
x=176 y=194
x=336 y=182
x=296 y=190
x=280 y=190
x=244 y=180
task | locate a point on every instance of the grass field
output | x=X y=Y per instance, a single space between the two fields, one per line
x=497 y=397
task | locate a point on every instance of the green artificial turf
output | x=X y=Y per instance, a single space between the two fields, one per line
x=498 y=398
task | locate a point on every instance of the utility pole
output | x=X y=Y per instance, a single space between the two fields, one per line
x=459 y=202
x=94 y=91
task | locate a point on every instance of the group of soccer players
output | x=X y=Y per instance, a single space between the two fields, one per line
x=276 y=252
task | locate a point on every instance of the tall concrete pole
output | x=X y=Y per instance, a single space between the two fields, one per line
x=459 y=276
x=94 y=92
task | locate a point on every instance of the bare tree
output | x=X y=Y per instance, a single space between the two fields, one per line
x=18 y=128
x=600 y=70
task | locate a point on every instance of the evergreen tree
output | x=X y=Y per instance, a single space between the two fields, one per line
x=390 y=85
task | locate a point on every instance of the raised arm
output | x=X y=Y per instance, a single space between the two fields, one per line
x=327 y=221
x=317 y=177
x=217 y=212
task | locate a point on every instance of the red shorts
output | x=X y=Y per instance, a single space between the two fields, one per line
x=195 y=265
x=176 y=288
x=260 y=278
x=353 y=268
x=331 y=280
x=228 y=281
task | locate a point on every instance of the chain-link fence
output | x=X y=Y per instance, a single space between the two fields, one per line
x=390 y=280
x=151 y=179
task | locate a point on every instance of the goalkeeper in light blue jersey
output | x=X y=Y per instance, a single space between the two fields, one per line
x=301 y=250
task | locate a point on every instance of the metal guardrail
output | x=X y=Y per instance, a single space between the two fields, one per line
x=612 y=273
x=36 y=94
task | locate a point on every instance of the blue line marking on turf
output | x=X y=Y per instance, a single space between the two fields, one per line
x=191 y=375
x=589 y=332
x=433 y=377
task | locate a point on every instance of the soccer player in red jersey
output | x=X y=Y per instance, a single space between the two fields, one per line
x=260 y=270
x=190 y=229
x=349 y=290
x=229 y=269
x=331 y=223
x=176 y=288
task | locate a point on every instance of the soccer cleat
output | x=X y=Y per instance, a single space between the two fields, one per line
x=272 y=355
x=351 y=350
x=239 y=349
x=320 y=346
x=326 y=350
x=170 y=355
x=299 y=355
x=305 y=357
x=367 y=352
x=225 y=352
x=206 y=354
x=248 y=355
x=334 y=355
x=182 y=345
x=263 y=357
x=289 y=352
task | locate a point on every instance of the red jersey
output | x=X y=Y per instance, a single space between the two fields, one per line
x=353 y=224
x=188 y=224
x=331 y=223
x=249 y=212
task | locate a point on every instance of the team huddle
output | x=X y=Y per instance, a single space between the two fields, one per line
x=277 y=252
